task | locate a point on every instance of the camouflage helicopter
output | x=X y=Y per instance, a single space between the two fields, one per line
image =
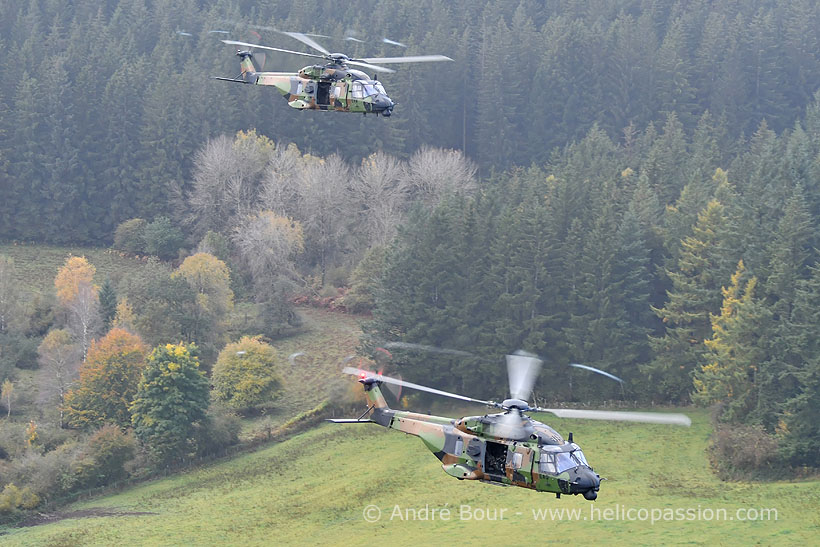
x=509 y=447
x=330 y=86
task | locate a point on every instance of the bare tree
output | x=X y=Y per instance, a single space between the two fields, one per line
x=84 y=318
x=378 y=194
x=59 y=359
x=267 y=244
x=435 y=172
x=323 y=208
x=226 y=180
x=7 y=393
x=279 y=187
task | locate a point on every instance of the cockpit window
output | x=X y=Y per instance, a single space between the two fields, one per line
x=546 y=464
x=579 y=456
x=369 y=89
x=357 y=91
x=564 y=461
x=379 y=88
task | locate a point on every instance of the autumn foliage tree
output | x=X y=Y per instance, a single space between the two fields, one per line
x=108 y=382
x=75 y=272
x=78 y=296
x=210 y=279
x=737 y=350
x=245 y=374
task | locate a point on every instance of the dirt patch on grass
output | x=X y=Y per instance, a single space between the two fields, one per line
x=47 y=518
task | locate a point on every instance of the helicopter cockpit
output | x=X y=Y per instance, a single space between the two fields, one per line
x=365 y=88
x=560 y=459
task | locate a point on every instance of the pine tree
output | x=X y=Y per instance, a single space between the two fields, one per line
x=695 y=294
x=789 y=251
x=108 y=303
x=797 y=381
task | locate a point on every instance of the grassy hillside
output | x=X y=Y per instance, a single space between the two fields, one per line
x=37 y=265
x=313 y=374
x=314 y=487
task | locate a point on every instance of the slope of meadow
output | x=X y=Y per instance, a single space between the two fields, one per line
x=315 y=488
x=37 y=265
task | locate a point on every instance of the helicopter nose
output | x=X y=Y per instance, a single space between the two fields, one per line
x=586 y=482
x=384 y=104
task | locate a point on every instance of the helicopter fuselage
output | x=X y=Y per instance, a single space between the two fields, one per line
x=323 y=87
x=481 y=448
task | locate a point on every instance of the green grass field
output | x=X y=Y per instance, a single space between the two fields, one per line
x=37 y=265
x=314 y=488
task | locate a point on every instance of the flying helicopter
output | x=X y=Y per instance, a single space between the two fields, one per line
x=333 y=85
x=507 y=447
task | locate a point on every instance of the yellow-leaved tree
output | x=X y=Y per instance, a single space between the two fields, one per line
x=76 y=271
x=737 y=350
x=245 y=374
x=79 y=298
x=210 y=279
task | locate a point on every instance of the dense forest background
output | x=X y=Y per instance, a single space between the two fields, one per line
x=631 y=185
x=104 y=102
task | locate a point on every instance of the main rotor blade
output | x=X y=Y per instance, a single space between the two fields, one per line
x=305 y=39
x=388 y=380
x=393 y=42
x=645 y=417
x=599 y=371
x=377 y=68
x=408 y=59
x=246 y=44
x=522 y=370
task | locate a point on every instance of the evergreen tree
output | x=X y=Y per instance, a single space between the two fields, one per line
x=108 y=303
x=695 y=294
x=171 y=403
x=799 y=424
x=789 y=252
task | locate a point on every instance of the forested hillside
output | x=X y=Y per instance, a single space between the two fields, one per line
x=105 y=102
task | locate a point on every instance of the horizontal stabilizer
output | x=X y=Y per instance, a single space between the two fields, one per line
x=237 y=80
x=348 y=421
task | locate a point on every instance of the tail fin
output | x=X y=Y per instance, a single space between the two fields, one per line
x=247 y=65
x=374 y=393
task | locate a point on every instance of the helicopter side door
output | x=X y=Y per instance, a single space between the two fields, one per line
x=339 y=96
x=519 y=464
x=323 y=93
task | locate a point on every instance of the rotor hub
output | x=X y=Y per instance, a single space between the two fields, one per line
x=339 y=58
x=516 y=403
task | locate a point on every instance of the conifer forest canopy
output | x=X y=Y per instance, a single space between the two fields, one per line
x=105 y=102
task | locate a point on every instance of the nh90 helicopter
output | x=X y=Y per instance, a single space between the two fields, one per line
x=508 y=447
x=330 y=86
